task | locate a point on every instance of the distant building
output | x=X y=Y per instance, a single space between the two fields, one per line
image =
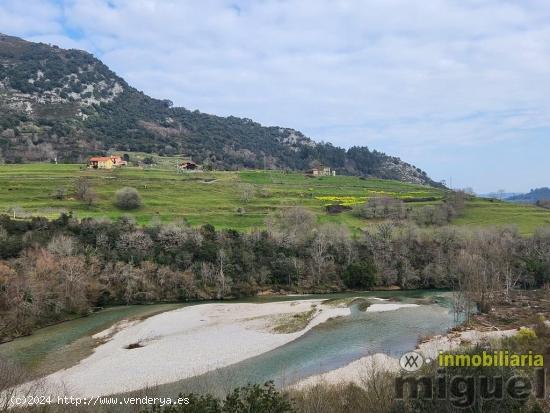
x=118 y=161
x=100 y=162
x=321 y=171
x=106 y=162
x=188 y=166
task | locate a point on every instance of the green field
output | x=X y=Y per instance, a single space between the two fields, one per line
x=483 y=212
x=215 y=197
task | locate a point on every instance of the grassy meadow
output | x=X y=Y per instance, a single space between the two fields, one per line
x=216 y=197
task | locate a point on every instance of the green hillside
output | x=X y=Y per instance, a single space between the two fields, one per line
x=66 y=105
x=217 y=197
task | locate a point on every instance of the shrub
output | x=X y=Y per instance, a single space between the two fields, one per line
x=84 y=191
x=337 y=208
x=90 y=197
x=60 y=193
x=127 y=198
x=82 y=186
x=256 y=398
x=526 y=334
x=251 y=398
x=360 y=275
x=247 y=192
x=469 y=400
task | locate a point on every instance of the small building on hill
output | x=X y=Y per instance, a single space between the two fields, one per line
x=100 y=162
x=106 y=162
x=321 y=171
x=188 y=166
x=118 y=161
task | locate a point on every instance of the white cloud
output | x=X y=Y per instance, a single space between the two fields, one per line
x=32 y=16
x=396 y=74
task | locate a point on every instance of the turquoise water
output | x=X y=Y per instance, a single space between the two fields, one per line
x=332 y=345
x=31 y=351
x=326 y=347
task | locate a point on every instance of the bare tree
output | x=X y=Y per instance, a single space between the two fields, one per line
x=377 y=380
x=385 y=230
x=85 y=192
x=62 y=245
x=319 y=252
x=247 y=192
x=476 y=278
x=90 y=197
x=82 y=185
x=134 y=245
x=291 y=225
x=222 y=280
x=11 y=376
x=74 y=273
x=207 y=273
x=172 y=237
x=60 y=193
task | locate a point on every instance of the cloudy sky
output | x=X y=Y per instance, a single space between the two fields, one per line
x=460 y=88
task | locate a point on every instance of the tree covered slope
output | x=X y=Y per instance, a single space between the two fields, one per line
x=66 y=104
x=534 y=196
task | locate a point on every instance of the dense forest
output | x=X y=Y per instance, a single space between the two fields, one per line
x=66 y=105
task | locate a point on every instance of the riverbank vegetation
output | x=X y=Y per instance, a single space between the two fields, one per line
x=377 y=387
x=51 y=270
x=295 y=322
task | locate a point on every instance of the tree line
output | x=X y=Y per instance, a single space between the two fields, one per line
x=54 y=269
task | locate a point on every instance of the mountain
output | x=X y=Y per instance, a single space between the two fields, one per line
x=533 y=197
x=67 y=105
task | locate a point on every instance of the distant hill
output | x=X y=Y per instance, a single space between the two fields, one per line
x=66 y=104
x=499 y=195
x=534 y=196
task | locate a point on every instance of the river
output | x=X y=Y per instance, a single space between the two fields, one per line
x=328 y=346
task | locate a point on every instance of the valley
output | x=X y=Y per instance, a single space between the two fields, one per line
x=299 y=245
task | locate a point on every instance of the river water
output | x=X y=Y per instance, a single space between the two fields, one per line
x=326 y=347
x=336 y=343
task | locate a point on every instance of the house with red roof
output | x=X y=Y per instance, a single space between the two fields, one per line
x=106 y=162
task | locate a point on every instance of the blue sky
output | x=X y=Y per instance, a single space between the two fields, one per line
x=460 y=88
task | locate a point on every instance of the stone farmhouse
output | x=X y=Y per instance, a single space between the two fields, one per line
x=106 y=162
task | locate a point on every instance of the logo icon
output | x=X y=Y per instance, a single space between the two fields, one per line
x=411 y=361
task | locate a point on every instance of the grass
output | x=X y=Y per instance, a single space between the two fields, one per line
x=214 y=197
x=294 y=322
x=364 y=305
x=340 y=302
x=483 y=212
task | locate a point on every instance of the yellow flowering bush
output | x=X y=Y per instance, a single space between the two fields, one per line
x=343 y=200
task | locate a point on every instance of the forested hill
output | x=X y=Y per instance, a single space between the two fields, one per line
x=534 y=196
x=66 y=104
